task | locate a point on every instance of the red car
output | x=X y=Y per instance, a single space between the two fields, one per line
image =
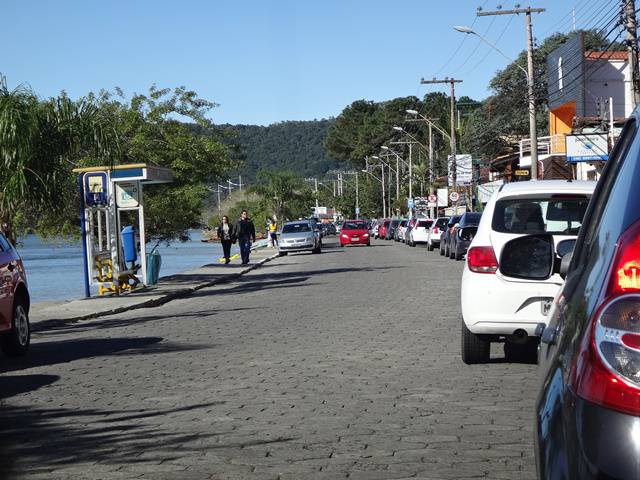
x=15 y=332
x=382 y=229
x=355 y=232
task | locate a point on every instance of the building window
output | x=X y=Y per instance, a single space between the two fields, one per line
x=560 y=74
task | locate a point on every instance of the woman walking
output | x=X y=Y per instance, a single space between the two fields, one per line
x=225 y=233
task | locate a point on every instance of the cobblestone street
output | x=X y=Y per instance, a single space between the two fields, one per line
x=339 y=365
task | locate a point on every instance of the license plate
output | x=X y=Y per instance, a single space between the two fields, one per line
x=355 y=238
x=545 y=306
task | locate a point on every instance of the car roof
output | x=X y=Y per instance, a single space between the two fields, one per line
x=547 y=186
x=298 y=222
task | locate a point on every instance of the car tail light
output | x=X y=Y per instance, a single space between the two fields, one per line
x=607 y=367
x=436 y=230
x=482 y=260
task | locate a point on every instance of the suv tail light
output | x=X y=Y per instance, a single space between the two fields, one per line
x=482 y=260
x=607 y=368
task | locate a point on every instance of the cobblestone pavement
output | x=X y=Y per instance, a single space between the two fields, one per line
x=340 y=365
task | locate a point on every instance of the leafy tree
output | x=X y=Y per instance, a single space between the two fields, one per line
x=40 y=141
x=285 y=194
x=153 y=129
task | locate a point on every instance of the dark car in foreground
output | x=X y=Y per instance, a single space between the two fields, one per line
x=391 y=229
x=587 y=412
x=15 y=331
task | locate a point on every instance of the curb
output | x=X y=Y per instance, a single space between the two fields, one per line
x=155 y=302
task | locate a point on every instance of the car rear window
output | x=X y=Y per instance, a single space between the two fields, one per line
x=354 y=226
x=425 y=223
x=296 y=227
x=442 y=222
x=558 y=215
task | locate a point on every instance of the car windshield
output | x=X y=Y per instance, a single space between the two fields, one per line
x=442 y=222
x=558 y=215
x=296 y=228
x=425 y=223
x=354 y=226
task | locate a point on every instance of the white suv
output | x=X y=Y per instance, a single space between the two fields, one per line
x=420 y=231
x=498 y=308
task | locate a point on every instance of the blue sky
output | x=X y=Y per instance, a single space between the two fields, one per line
x=266 y=61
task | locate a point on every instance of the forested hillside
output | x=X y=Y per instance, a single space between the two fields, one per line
x=296 y=146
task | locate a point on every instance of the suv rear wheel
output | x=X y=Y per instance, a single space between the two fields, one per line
x=16 y=341
x=475 y=349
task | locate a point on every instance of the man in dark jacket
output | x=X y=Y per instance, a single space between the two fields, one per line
x=245 y=232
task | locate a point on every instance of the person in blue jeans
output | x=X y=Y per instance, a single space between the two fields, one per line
x=245 y=232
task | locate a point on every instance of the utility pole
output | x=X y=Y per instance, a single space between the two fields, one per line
x=410 y=178
x=533 y=132
x=315 y=182
x=357 y=199
x=452 y=82
x=240 y=182
x=632 y=49
x=384 y=197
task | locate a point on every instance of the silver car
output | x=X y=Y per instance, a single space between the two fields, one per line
x=300 y=236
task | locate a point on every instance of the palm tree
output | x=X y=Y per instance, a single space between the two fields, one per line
x=284 y=193
x=40 y=142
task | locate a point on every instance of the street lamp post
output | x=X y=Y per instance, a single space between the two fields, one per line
x=533 y=131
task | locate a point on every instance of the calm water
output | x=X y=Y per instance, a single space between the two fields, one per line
x=54 y=269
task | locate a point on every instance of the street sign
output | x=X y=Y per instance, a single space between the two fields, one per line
x=433 y=198
x=320 y=210
x=454 y=196
x=357 y=211
x=128 y=194
x=409 y=202
x=587 y=148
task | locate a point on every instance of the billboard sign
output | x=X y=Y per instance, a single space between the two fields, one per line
x=590 y=147
x=464 y=170
x=443 y=197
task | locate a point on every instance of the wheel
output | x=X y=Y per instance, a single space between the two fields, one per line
x=523 y=352
x=16 y=341
x=457 y=255
x=368 y=244
x=284 y=254
x=441 y=248
x=474 y=348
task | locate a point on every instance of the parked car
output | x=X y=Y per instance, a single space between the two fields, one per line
x=399 y=233
x=391 y=229
x=15 y=330
x=435 y=231
x=496 y=305
x=355 y=232
x=384 y=226
x=462 y=234
x=331 y=228
x=587 y=413
x=444 y=240
x=299 y=236
x=407 y=231
x=420 y=231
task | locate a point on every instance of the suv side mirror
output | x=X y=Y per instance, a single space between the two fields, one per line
x=531 y=257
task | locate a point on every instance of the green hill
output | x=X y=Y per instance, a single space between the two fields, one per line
x=296 y=146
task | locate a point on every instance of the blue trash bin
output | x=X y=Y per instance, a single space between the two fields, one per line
x=154 y=262
x=129 y=244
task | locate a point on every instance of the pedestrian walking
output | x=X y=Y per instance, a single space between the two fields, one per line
x=245 y=232
x=273 y=233
x=225 y=234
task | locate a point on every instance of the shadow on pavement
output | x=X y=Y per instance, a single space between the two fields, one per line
x=38 y=440
x=119 y=321
x=54 y=352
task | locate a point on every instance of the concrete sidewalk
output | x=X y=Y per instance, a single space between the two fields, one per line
x=50 y=314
